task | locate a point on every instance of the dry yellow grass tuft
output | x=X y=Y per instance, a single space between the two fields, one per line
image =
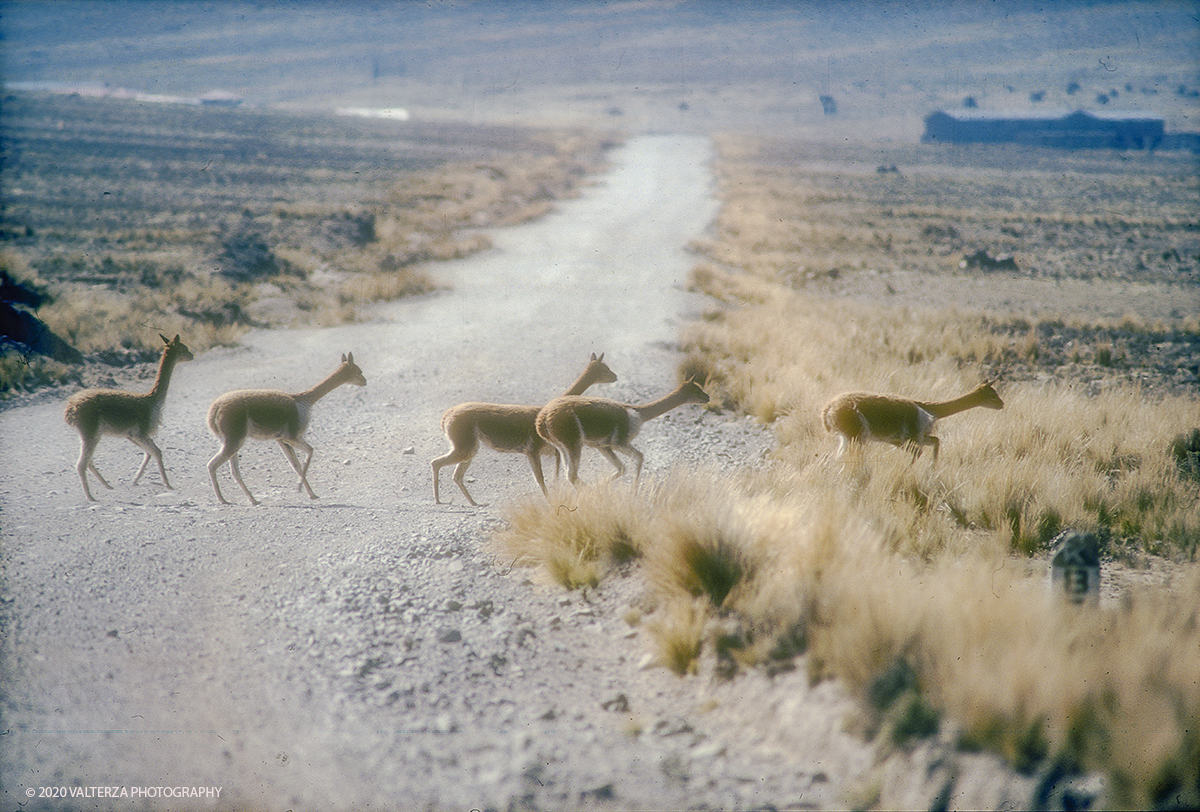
x=574 y=538
x=93 y=318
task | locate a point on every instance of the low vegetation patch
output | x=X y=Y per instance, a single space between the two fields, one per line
x=1060 y=454
x=242 y=218
x=921 y=585
x=797 y=212
x=752 y=573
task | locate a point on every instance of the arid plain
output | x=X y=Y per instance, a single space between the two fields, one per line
x=760 y=624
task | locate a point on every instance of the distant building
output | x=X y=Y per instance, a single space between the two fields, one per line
x=1080 y=129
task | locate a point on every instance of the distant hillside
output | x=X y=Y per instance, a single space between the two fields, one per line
x=641 y=65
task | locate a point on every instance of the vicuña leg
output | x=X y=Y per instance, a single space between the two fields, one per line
x=87 y=449
x=235 y=436
x=151 y=449
x=461 y=455
x=535 y=462
x=302 y=470
x=237 y=477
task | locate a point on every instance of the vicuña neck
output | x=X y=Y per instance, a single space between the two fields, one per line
x=166 y=365
x=946 y=408
x=335 y=379
x=581 y=383
x=663 y=405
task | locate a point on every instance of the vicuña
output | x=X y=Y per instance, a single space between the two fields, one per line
x=570 y=422
x=96 y=412
x=506 y=428
x=269 y=414
x=860 y=416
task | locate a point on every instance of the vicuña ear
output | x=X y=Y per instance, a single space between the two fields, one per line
x=348 y=357
x=165 y=339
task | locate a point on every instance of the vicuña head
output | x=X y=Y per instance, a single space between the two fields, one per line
x=269 y=414
x=861 y=416
x=96 y=412
x=504 y=427
x=570 y=422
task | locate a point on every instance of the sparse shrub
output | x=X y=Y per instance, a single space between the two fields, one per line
x=354 y=228
x=19 y=284
x=912 y=719
x=696 y=367
x=573 y=544
x=1026 y=746
x=712 y=570
x=699 y=553
x=385 y=286
x=1031 y=349
x=245 y=255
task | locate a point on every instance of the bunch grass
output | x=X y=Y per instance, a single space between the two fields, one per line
x=750 y=573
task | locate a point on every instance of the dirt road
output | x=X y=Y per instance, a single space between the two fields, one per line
x=364 y=650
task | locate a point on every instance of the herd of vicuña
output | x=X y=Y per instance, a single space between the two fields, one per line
x=562 y=427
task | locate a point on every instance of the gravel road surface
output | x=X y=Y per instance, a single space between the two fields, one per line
x=364 y=650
